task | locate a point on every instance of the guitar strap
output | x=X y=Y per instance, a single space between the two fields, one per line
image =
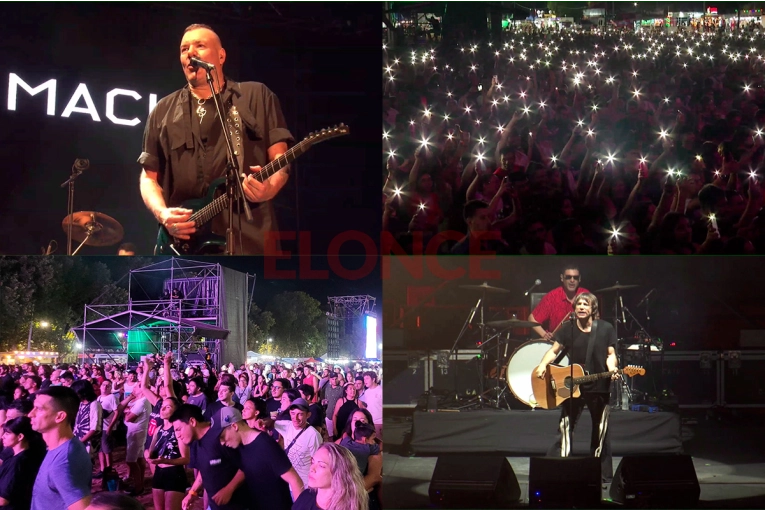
x=234 y=123
x=591 y=346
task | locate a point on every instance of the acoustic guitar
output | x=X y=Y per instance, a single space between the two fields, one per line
x=556 y=386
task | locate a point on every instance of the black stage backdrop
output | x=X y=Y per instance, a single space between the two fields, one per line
x=317 y=58
x=698 y=302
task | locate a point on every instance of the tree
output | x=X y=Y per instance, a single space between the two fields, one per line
x=54 y=289
x=568 y=9
x=297 y=324
x=259 y=327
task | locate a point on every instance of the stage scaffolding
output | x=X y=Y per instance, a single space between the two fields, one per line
x=345 y=326
x=174 y=305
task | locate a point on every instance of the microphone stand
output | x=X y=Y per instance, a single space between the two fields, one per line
x=570 y=400
x=457 y=341
x=76 y=172
x=234 y=188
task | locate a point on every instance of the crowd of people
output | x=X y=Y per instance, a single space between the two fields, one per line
x=252 y=437
x=570 y=141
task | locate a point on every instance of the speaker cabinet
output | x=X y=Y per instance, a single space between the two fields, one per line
x=474 y=481
x=666 y=481
x=572 y=482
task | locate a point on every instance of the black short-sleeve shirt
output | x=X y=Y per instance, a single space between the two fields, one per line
x=17 y=478
x=306 y=501
x=263 y=463
x=218 y=465
x=605 y=338
x=187 y=166
x=155 y=423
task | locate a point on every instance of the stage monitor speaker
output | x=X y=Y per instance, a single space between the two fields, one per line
x=474 y=481
x=572 y=482
x=653 y=481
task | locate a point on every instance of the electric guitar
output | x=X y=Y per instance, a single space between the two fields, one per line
x=555 y=387
x=204 y=242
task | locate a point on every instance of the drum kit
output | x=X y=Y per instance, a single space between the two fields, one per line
x=506 y=381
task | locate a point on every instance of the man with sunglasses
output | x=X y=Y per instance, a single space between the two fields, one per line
x=557 y=304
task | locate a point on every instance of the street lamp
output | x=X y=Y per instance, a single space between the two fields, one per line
x=43 y=324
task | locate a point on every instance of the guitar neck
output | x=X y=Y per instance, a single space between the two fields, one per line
x=594 y=377
x=215 y=207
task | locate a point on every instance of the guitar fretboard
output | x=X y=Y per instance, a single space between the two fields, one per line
x=217 y=206
x=594 y=377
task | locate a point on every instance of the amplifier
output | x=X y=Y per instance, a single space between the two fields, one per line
x=742 y=382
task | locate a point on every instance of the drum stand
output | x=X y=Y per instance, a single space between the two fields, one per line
x=497 y=391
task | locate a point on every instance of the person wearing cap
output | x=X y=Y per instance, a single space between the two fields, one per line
x=217 y=465
x=268 y=473
x=300 y=439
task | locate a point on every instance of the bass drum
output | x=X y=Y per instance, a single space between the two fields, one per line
x=524 y=360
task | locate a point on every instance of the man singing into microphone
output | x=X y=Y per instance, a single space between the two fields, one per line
x=556 y=305
x=575 y=336
x=184 y=150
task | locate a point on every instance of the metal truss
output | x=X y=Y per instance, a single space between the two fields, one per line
x=351 y=307
x=185 y=326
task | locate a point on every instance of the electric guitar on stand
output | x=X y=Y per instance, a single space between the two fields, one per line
x=208 y=207
x=555 y=387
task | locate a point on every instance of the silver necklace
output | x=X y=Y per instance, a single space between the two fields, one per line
x=201 y=111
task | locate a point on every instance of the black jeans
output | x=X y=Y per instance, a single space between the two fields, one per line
x=600 y=442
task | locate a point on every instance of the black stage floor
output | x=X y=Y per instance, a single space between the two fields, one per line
x=531 y=433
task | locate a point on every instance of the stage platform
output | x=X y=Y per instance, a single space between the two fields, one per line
x=531 y=433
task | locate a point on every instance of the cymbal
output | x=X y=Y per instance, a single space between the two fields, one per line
x=486 y=288
x=512 y=323
x=104 y=230
x=617 y=287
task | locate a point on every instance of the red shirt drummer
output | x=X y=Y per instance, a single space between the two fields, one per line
x=557 y=304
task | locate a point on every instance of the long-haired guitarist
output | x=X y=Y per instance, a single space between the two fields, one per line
x=556 y=305
x=184 y=150
x=574 y=336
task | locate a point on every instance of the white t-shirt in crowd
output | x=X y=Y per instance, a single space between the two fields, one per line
x=372 y=397
x=142 y=409
x=109 y=404
x=301 y=452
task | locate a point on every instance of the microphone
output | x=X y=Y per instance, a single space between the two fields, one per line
x=571 y=316
x=621 y=303
x=645 y=298
x=536 y=284
x=81 y=164
x=195 y=62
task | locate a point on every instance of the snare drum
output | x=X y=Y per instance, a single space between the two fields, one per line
x=524 y=360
